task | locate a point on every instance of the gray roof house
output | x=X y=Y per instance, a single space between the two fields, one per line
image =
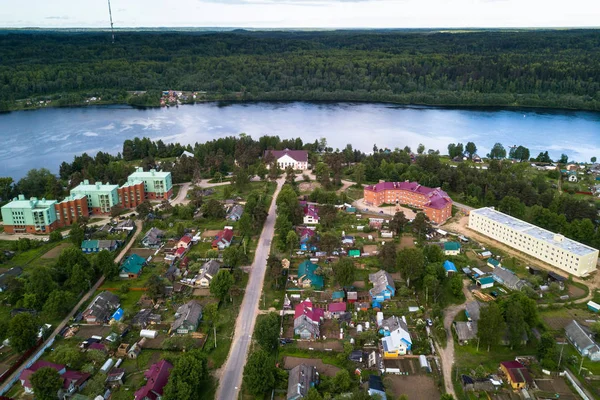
x=4 y=277
x=302 y=378
x=187 y=318
x=153 y=238
x=507 y=278
x=101 y=308
x=235 y=213
x=582 y=340
x=144 y=318
x=465 y=331
x=125 y=225
x=473 y=310
x=207 y=272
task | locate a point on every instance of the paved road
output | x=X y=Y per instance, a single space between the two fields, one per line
x=463 y=207
x=80 y=303
x=181 y=196
x=231 y=376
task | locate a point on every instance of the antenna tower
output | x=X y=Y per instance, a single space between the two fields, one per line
x=112 y=31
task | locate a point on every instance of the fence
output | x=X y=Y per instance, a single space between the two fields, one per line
x=18 y=364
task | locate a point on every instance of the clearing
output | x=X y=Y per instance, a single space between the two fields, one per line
x=55 y=252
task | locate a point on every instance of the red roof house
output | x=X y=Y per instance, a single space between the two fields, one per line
x=180 y=252
x=223 y=239
x=185 y=241
x=157 y=377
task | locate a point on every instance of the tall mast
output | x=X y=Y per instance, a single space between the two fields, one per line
x=112 y=31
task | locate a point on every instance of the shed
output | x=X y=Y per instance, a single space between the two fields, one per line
x=451 y=248
x=493 y=263
x=449 y=267
x=595 y=307
x=485 y=282
x=424 y=363
x=354 y=253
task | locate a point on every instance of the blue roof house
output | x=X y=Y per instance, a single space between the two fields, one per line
x=383 y=286
x=308 y=278
x=449 y=267
x=118 y=314
x=305 y=237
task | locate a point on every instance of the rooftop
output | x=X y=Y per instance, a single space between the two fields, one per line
x=298 y=155
x=141 y=174
x=551 y=238
x=86 y=186
x=33 y=203
x=132 y=182
x=437 y=197
x=72 y=197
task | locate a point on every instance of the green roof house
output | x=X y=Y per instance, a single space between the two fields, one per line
x=354 y=253
x=492 y=262
x=132 y=267
x=307 y=277
x=95 y=246
x=451 y=248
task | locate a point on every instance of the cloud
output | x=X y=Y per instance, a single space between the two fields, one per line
x=58 y=17
x=291 y=2
x=90 y=134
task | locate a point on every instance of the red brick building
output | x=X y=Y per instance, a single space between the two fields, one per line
x=71 y=209
x=132 y=194
x=435 y=203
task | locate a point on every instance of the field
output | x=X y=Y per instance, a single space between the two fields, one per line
x=556 y=387
x=417 y=387
x=557 y=320
x=55 y=252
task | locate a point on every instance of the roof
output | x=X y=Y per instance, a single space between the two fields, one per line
x=236 y=211
x=179 y=252
x=86 y=186
x=451 y=246
x=209 y=269
x=133 y=264
x=529 y=229
x=449 y=266
x=306 y=308
x=132 y=182
x=517 y=372
x=437 y=197
x=338 y=294
x=141 y=174
x=506 y=278
x=298 y=155
x=102 y=306
x=225 y=234
x=125 y=224
x=190 y=312
x=486 y=280
x=336 y=307
x=376 y=383
x=580 y=337
x=72 y=197
x=153 y=236
x=186 y=239
x=74 y=377
x=301 y=378
x=465 y=330
x=473 y=310
x=157 y=376
x=98 y=244
x=307 y=271
x=26 y=373
x=15 y=271
x=33 y=203
x=118 y=314
x=493 y=261
x=311 y=211
x=399 y=337
x=381 y=280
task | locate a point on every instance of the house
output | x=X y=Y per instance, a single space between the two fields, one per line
x=451 y=248
x=108 y=228
x=352 y=297
x=383 y=286
x=132 y=267
x=476 y=158
x=115 y=377
x=6 y=276
x=582 y=340
x=493 y=263
x=187 y=154
x=100 y=309
x=450 y=268
x=156 y=379
x=117 y=315
x=473 y=310
x=470 y=384
x=187 y=318
x=144 y=318
x=179 y=252
x=153 y=238
x=485 y=282
x=125 y=226
x=307 y=320
x=306 y=235
x=465 y=331
x=307 y=278
x=73 y=381
x=297 y=159
x=396 y=341
x=311 y=214
x=507 y=278
x=517 y=375
x=376 y=387
x=354 y=253
x=348 y=240
x=25 y=375
x=572 y=176
x=95 y=246
x=235 y=213
x=223 y=239
x=338 y=296
x=207 y=272
x=336 y=309
x=185 y=242
x=135 y=350
x=301 y=378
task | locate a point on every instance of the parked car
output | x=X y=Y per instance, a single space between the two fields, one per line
x=429 y=322
x=285 y=341
x=494 y=294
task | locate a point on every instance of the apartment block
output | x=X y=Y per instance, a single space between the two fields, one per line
x=100 y=197
x=71 y=209
x=29 y=215
x=552 y=248
x=158 y=185
x=132 y=194
x=434 y=202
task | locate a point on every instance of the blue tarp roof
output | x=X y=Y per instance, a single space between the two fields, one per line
x=118 y=314
x=449 y=266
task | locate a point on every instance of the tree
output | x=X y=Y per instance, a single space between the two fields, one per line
x=143 y=209
x=76 y=235
x=547 y=351
x=342 y=382
x=313 y=394
x=498 y=152
x=213 y=209
x=211 y=315
x=58 y=303
x=421 y=149
x=388 y=256
x=55 y=236
x=421 y=225
x=104 y=264
x=593 y=159
x=330 y=242
x=291 y=241
x=343 y=270
x=411 y=262
x=235 y=256
x=515 y=322
x=40 y=283
x=490 y=326
x=259 y=374
x=22 y=332
x=155 y=287
x=433 y=254
x=563 y=159
x=290 y=176
x=520 y=153
x=188 y=376
x=266 y=332
x=398 y=223
x=447 y=396
x=359 y=173
x=46 y=382
x=471 y=149
x=327 y=215
x=456 y=285
x=220 y=284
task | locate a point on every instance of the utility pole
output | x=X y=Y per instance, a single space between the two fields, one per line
x=560 y=356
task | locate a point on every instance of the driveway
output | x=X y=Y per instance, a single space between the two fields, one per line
x=231 y=373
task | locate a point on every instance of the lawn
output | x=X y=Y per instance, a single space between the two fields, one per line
x=468 y=358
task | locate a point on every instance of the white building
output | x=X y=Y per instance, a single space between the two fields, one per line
x=552 y=248
x=298 y=159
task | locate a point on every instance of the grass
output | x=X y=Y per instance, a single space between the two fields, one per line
x=468 y=358
x=28 y=257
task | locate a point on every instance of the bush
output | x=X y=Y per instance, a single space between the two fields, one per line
x=55 y=237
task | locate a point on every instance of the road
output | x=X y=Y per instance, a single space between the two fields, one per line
x=80 y=303
x=231 y=376
x=447 y=353
x=182 y=195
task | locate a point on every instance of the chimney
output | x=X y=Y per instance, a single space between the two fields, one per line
x=86 y=182
x=21 y=197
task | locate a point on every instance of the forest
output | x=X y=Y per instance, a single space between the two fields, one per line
x=531 y=68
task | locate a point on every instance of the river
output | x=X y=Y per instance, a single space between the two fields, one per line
x=46 y=137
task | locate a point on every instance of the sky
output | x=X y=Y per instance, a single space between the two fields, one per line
x=301 y=13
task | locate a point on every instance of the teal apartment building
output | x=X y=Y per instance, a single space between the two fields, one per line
x=157 y=185
x=100 y=197
x=29 y=215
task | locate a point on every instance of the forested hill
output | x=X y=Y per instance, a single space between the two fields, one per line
x=489 y=68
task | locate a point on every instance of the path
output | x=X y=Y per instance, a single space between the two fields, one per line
x=447 y=354
x=79 y=304
x=231 y=377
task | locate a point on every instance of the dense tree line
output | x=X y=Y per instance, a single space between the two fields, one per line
x=493 y=68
